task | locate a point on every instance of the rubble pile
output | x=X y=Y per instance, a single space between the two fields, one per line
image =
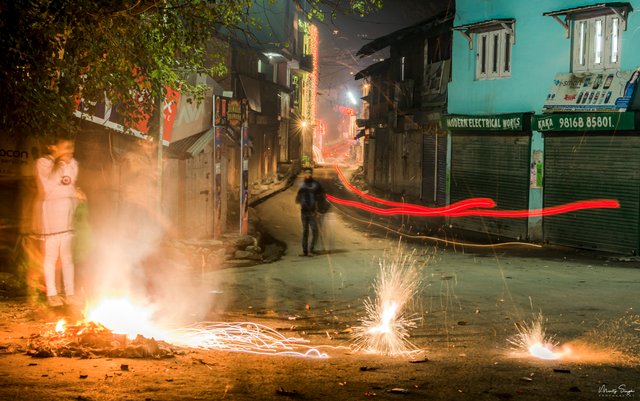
x=231 y=250
x=91 y=340
x=358 y=180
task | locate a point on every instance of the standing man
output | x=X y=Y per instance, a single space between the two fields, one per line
x=56 y=177
x=308 y=194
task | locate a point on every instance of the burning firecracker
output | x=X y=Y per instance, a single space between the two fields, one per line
x=531 y=339
x=385 y=329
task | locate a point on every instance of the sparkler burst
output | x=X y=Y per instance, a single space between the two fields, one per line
x=531 y=339
x=385 y=329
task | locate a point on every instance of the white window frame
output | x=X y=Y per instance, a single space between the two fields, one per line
x=584 y=42
x=494 y=54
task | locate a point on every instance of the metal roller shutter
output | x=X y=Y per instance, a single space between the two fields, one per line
x=495 y=166
x=434 y=168
x=441 y=195
x=429 y=168
x=593 y=167
x=381 y=168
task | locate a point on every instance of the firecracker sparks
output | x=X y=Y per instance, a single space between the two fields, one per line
x=531 y=339
x=121 y=316
x=245 y=337
x=385 y=328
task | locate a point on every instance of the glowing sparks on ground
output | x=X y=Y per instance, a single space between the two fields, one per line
x=120 y=316
x=532 y=340
x=385 y=329
x=247 y=337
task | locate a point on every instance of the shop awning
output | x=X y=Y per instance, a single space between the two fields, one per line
x=621 y=8
x=251 y=88
x=626 y=121
x=516 y=122
x=488 y=25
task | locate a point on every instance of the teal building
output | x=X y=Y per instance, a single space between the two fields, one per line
x=542 y=113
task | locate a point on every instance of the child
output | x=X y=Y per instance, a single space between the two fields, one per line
x=56 y=175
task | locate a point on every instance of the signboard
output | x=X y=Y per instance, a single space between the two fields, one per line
x=497 y=122
x=608 y=90
x=107 y=114
x=584 y=122
x=17 y=156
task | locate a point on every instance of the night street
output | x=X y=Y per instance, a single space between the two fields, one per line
x=467 y=307
x=319 y=200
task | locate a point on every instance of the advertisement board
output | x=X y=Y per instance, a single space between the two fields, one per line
x=608 y=90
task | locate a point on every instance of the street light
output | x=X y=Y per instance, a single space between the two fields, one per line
x=352 y=98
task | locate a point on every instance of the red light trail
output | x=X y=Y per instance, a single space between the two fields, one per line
x=467 y=207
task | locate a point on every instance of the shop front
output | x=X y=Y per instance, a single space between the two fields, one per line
x=592 y=156
x=490 y=158
x=592 y=151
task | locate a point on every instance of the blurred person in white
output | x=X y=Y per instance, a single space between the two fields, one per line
x=58 y=196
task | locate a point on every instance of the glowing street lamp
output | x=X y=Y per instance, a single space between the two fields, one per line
x=352 y=98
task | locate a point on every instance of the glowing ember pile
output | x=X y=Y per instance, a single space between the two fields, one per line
x=117 y=328
x=90 y=339
x=122 y=317
x=532 y=340
x=385 y=329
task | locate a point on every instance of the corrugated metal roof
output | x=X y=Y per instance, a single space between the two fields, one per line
x=191 y=145
x=427 y=25
x=373 y=68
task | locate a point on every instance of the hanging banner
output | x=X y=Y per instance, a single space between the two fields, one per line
x=592 y=91
x=108 y=114
x=244 y=168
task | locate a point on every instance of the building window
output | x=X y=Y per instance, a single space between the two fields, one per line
x=596 y=43
x=493 y=57
x=402 y=66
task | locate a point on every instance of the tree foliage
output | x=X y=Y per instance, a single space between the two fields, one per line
x=55 y=52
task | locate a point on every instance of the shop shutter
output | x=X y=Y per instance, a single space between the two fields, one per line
x=593 y=167
x=381 y=175
x=429 y=168
x=434 y=169
x=496 y=166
